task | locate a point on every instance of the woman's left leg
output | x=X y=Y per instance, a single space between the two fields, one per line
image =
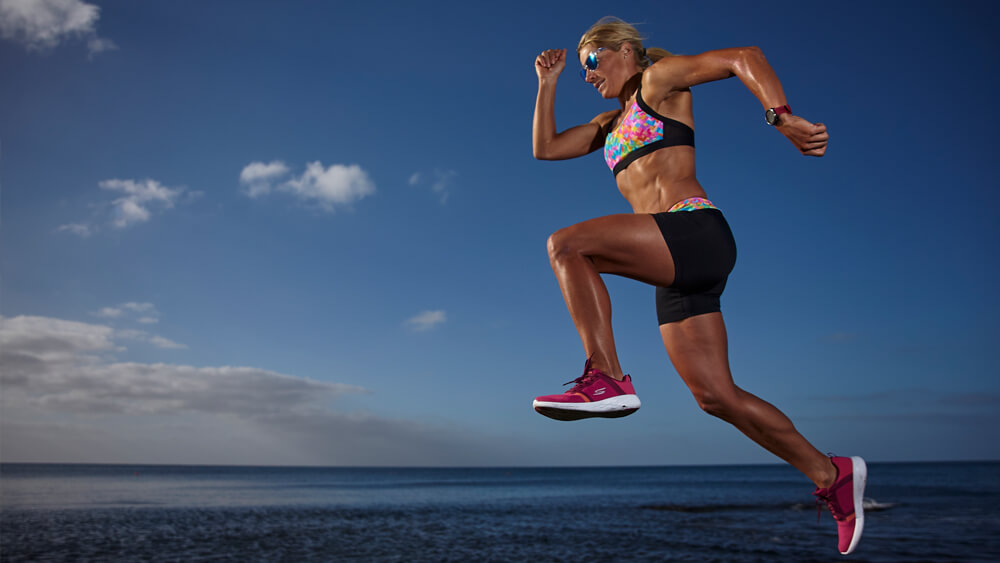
x=699 y=350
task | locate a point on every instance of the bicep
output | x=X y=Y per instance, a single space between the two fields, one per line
x=576 y=141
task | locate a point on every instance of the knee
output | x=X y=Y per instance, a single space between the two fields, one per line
x=561 y=246
x=718 y=403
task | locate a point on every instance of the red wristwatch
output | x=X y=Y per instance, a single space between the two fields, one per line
x=771 y=115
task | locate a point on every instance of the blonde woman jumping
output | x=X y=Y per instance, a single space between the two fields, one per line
x=676 y=240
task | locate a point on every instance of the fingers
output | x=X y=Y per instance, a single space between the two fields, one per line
x=548 y=58
x=814 y=147
x=818 y=150
x=819 y=129
x=810 y=138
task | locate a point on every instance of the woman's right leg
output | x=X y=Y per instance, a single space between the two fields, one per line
x=629 y=245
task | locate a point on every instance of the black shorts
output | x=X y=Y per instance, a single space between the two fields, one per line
x=704 y=253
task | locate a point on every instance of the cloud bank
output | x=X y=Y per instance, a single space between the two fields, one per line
x=55 y=363
x=337 y=185
x=41 y=25
x=67 y=399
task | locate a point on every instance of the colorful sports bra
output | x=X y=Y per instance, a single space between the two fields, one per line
x=641 y=132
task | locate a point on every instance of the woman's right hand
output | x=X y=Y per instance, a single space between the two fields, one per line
x=550 y=63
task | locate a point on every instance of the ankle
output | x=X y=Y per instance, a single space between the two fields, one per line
x=617 y=376
x=614 y=371
x=828 y=476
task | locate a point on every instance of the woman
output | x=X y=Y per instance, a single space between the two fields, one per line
x=676 y=240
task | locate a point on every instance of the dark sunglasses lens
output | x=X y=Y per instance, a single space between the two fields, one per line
x=589 y=64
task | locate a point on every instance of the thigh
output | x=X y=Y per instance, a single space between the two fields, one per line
x=699 y=349
x=629 y=245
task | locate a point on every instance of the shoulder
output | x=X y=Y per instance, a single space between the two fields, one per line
x=656 y=87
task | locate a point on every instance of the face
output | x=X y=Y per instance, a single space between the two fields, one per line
x=605 y=69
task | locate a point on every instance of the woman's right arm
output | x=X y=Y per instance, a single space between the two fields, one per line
x=547 y=144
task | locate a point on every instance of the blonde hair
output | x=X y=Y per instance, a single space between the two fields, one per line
x=611 y=32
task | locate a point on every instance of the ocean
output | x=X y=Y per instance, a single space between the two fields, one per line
x=916 y=512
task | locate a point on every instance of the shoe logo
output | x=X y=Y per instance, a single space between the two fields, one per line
x=600 y=391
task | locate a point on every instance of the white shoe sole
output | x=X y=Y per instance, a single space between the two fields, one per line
x=860 y=471
x=614 y=407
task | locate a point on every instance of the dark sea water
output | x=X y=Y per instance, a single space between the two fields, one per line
x=918 y=512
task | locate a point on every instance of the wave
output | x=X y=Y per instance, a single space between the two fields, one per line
x=869 y=504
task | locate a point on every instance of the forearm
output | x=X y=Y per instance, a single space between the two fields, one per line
x=752 y=68
x=758 y=76
x=543 y=128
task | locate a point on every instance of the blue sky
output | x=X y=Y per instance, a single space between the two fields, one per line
x=310 y=233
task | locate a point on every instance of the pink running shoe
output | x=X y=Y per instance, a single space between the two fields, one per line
x=844 y=498
x=595 y=394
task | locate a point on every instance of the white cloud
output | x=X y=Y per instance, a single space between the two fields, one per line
x=440 y=182
x=143 y=336
x=79 y=229
x=259 y=177
x=109 y=312
x=97 y=45
x=161 y=342
x=40 y=25
x=336 y=185
x=142 y=313
x=328 y=187
x=134 y=206
x=137 y=204
x=426 y=320
x=147 y=309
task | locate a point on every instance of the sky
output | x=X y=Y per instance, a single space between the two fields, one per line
x=313 y=233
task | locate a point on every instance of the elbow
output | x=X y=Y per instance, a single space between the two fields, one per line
x=748 y=58
x=540 y=152
x=746 y=61
x=752 y=53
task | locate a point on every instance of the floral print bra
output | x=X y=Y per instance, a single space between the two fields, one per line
x=641 y=132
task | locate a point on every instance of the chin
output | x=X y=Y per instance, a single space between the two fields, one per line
x=606 y=93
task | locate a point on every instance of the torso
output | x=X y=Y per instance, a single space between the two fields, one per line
x=662 y=176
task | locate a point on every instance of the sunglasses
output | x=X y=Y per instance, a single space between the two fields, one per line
x=590 y=63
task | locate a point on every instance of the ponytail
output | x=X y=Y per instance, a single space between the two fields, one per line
x=611 y=32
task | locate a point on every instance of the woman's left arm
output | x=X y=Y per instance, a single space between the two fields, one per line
x=679 y=72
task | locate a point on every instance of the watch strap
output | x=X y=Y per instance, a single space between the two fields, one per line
x=771 y=115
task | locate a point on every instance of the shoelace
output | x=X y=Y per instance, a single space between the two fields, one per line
x=820 y=499
x=581 y=381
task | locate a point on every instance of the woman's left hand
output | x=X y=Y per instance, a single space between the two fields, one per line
x=809 y=138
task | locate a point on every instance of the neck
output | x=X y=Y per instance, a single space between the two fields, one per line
x=628 y=90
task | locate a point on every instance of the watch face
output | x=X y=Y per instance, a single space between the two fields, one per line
x=770 y=116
